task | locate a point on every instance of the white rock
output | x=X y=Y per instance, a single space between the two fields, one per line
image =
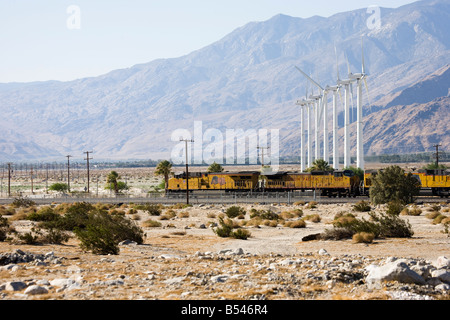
x=442 y=262
x=323 y=252
x=441 y=274
x=15 y=286
x=395 y=271
x=36 y=289
x=443 y=287
x=219 y=278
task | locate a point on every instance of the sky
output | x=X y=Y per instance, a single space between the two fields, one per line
x=70 y=39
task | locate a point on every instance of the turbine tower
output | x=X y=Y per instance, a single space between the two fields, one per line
x=360 y=78
x=346 y=84
x=305 y=104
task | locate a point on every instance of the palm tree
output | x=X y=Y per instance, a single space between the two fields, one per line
x=215 y=167
x=319 y=165
x=112 y=179
x=164 y=169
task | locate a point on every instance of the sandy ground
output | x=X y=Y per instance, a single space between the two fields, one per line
x=179 y=259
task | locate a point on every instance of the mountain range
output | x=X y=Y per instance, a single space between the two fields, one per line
x=246 y=80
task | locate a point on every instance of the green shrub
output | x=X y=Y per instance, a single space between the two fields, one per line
x=103 y=233
x=395 y=207
x=225 y=228
x=44 y=214
x=22 y=202
x=153 y=209
x=264 y=215
x=235 y=211
x=240 y=234
x=362 y=206
x=4 y=227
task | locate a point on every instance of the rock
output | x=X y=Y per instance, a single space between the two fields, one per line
x=176 y=280
x=15 y=286
x=311 y=237
x=323 y=252
x=393 y=271
x=65 y=282
x=442 y=262
x=36 y=289
x=441 y=274
x=169 y=256
x=443 y=287
x=127 y=243
x=219 y=278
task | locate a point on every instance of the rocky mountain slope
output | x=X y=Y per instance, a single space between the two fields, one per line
x=245 y=80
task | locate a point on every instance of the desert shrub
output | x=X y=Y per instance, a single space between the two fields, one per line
x=44 y=214
x=434 y=208
x=225 y=228
x=103 y=232
x=22 y=202
x=363 y=237
x=183 y=214
x=150 y=223
x=362 y=206
x=438 y=219
x=313 y=218
x=432 y=214
x=235 y=211
x=391 y=226
x=4 y=227
x=54 y=236
x=299 y=203
x=392 y=184
x=395 y=207
x=240 y=234
x=29 y=237
x=6 y=211
x=264 y=214
x=295 y=224
x=312 y=205
x=153 y=209
x=337 y=233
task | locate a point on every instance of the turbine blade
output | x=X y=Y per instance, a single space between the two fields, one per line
x=337 y=64
x=348 y=64
x=362 y=57
x=309 y=78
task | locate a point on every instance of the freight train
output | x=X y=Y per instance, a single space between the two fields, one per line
x=332 y=184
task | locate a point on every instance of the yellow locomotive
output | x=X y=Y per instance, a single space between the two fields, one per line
x=332 y=184
x=225 y=181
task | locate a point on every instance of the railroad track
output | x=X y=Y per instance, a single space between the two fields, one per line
x=215 y=199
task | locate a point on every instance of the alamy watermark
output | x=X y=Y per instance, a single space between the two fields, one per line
x=374 y=21
x=73 y=22
x=232 y=147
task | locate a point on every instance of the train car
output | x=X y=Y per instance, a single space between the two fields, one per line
x=332 y=184
x=438 y=181
x=225 y=181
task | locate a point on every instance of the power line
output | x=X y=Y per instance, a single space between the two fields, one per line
x=437 y=154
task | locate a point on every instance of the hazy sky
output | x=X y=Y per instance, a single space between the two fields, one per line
x=69 y=39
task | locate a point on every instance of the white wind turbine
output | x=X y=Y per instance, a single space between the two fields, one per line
x=346 y=84
x=359 y=78
x=317 y=102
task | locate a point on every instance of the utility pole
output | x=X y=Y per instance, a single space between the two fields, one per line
x=187 y=169
x=262 y=154
x=437 y=155
x=87 y=158
x=31 y=174
x=9 y=179
x=68 y=172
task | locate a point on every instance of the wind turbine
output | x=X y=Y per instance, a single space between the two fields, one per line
x=360 y=78
x=303 y=103
x=317 y=102
x=346 y=84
